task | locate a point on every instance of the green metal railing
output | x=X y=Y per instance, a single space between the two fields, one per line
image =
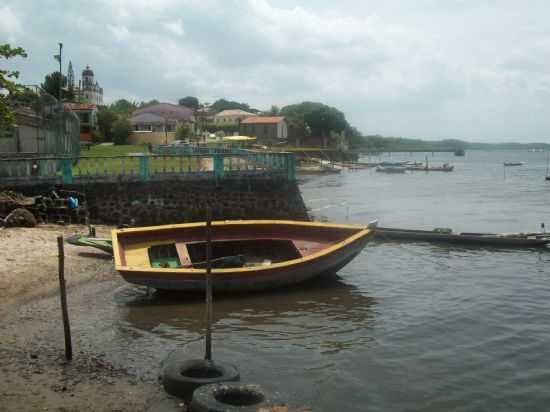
x=149 y=167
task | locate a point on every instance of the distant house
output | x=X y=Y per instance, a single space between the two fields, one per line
x=231 y=117
x=157 y=123
x=87 y=114
x=267 y=130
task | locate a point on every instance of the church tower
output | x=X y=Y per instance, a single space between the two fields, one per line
x=70 y=77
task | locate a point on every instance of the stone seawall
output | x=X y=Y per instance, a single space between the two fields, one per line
x=185 y=200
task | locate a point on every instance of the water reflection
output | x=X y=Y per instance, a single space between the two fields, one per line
x=328 y=315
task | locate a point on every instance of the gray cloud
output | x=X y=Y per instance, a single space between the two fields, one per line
x=459 y=69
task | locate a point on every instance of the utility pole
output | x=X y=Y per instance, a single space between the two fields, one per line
x=60 y=75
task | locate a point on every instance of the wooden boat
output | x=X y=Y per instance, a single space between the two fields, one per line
x=105 y=245
x=447 y=235
x=443 y=168
x=246 y=254
x=391 y=169
x=514 y=163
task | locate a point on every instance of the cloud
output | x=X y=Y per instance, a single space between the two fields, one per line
x=424 y=69
x=10 y=24
x=175 y=27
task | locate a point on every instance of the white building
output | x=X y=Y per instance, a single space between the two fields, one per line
x=89 y=89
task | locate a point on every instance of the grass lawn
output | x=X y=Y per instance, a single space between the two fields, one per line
x=96 y=162
x=113 y=150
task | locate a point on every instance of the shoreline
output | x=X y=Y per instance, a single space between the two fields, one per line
x=35 y=374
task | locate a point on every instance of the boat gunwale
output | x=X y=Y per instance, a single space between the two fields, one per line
x=364 y=231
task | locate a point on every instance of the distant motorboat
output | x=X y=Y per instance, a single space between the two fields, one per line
x=391 y=169
x=459 y=152
x=514 y=163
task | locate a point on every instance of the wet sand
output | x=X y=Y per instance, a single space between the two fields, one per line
x=35 y=375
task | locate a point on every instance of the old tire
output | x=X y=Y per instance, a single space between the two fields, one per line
x=230 y=397
x=182 y=377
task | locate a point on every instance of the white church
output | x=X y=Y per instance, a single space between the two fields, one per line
x=88 y=89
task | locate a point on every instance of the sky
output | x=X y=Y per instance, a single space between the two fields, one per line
x=477 y=70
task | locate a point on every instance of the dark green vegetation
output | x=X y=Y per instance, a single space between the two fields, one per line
x=377 y=143
x=7 y=83
x=51 y=86
x=222 y=104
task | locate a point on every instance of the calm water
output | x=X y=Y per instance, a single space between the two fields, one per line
x=405 y=326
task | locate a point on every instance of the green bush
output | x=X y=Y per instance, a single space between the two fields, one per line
x=121 y=130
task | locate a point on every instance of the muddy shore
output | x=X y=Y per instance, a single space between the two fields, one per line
x=35 y=375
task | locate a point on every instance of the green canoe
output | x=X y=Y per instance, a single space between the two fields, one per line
x=102 y=244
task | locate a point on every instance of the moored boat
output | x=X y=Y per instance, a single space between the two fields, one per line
x=447 y=235
x=443 y=168
x=391 y=169
x=246 y=254
x=514 y=163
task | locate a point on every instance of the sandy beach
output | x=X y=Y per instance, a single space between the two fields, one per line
x=35 y=375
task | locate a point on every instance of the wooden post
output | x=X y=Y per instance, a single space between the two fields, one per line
x=63 y=293
x=208 y=352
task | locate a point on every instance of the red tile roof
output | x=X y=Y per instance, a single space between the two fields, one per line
x=263 y=120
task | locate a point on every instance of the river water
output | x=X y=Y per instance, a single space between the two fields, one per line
x=405 y=326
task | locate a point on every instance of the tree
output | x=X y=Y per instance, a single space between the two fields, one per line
x=105 y=121
x=51 y=85
x=9 y=88
x=183 y=131
x=319 y=118
x=189 y=101
x=121 y=130
x=123 y=107
x=274 y=111
x=149 y=103
x=222 y=104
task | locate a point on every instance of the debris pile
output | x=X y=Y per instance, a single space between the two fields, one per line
x=56 y=206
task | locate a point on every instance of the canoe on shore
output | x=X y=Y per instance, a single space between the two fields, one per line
x=447 y=235
x=105 y=245
x=246 y=254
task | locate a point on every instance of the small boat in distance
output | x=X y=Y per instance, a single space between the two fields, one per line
x=459 y=152
x=246 y=254
x=391 y=169
x=447 y=235
x=445 y=167
x=514 y=163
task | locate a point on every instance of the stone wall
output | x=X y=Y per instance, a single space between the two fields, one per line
x=185 y=200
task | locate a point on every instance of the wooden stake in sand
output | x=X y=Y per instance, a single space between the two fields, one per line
x=208 y=351
x=63 y=293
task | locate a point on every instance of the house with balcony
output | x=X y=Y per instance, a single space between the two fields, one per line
x=87 y=114
x=231 y=117
x=156 y=124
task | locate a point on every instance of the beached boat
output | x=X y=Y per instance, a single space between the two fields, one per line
x=391 y=169
x=246 y=254
x=447 y=235
x=105 y=245
x=514 y=163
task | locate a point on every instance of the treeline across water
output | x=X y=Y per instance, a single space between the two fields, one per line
x=377 y=143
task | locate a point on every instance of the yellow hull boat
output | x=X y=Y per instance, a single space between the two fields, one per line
x=246 y=254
